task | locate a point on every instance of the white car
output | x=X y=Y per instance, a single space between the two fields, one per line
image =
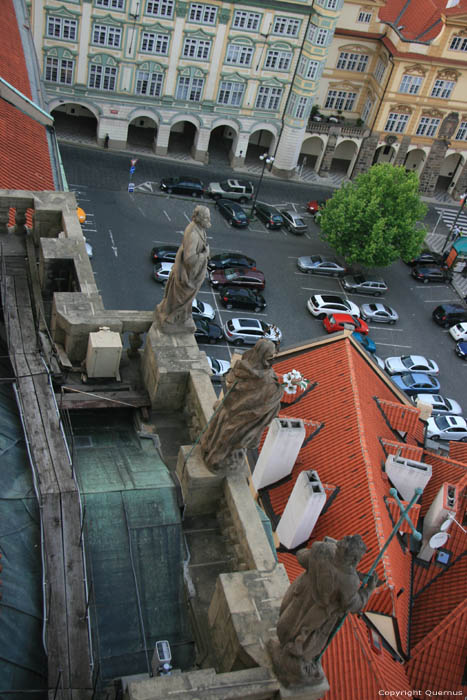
x=88 y=249
x=410 y=363
x=238 y=190
x=200 y=309
x=459 y=331
x=447 y=428
x=162 y=272
x=218 y=367
x=249 y=330
x=440 y=405
x=322 y=305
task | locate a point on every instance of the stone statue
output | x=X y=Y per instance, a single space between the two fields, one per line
x=173 y=314
x=314 y=603
x=251 y=401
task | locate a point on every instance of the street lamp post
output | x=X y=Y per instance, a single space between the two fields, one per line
x=463 y=200
x=267 y=160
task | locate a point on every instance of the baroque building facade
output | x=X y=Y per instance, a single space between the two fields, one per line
x=326 y=85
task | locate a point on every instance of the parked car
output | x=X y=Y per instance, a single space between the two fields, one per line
x=430 y=273
x=365 y=341
x=320 y=265
x=379 y=313
x=416 y=383
x=218 y=367
x=81 y=214
x=447 y=428
x=249 y=330
x=240 y=298
x=410 y=363
x=202 y=310
x=447 y=315
x=190 y=186
x=459 y=331
x=461 y=349
x=222 y=260
x=164 y=253
x=340 y=322
x=233 y=212
x=440 y=405
x=426 y=258
x=321 y=305
x=237 y=190
x=161 y=272
x=378 y=360
x=238 y=277
x=89 y=250
x=365 y=284
x=269 y=215
x=207 y=331
x=294 y=222
x=315 y=205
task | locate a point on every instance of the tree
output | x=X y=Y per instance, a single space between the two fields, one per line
x=373 y=220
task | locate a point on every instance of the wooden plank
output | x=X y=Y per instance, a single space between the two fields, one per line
x=108 y=399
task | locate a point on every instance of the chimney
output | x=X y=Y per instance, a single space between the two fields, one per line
x=407 y=474
x=437 y=520
x=302 y=510
x=280 y=450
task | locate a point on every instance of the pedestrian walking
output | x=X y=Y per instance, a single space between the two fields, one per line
x=106 y=141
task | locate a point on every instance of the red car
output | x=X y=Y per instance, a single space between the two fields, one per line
x=238 y=277
x=341 y=322
x=315 y=205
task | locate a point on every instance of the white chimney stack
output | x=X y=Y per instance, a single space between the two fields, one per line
x=302 y=510
x=280 y=450
x=407 y=475
x=438 y=520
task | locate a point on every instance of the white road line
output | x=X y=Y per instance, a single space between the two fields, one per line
x=76 y=185
x=395 y=345
x=114 y=247
x=89 y=230
x=440 y=301
x=186 y=216
x=167 y=215
x=378 y=328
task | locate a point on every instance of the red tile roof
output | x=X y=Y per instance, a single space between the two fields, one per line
x=419 y=20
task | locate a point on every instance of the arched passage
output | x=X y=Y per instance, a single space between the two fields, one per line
x=310 y=153
x=142 y=131
x=260 y=141
x=414 y=160
x=220 y=143
x=449 y=170
x=73 y=119
x=182 y=137
x=343 y=157
x=384 y=154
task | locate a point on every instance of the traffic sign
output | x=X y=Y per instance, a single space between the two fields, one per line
x=131 y=187
x=132 y=169
x=134 y=161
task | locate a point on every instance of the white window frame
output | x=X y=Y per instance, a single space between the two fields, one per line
x=107 y=35
x=278 y=60
x=458 y=43
x=396 y=122
x=154 y=43
x=205 y=14
x=442 y=89
x=366 y=109
x=111 y=4
x=302 y=104
x=61 y=68
x=461 y=134
x=149 y=83
x=239 y=55
x=231 y=93
x=427 y=126
x=322 y=36
x=308 y=68
x=160 y=8
x=352 y=61
x=102 y=77
x=249 y=21
x=62 y=28
x=410 y=84
x=364 y=17
x=192 y=86
x=268 y=98
x=379 y=70
x=199 y=49
x=340 y=100
x=332 y=4
x=286 y=26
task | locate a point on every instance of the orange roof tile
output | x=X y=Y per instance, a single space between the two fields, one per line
x=458 y=451
x=419 y=20
x=395 y=514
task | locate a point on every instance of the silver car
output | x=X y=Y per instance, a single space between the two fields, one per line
x=249 y=330
x=446 y=428
x=440 y=405
x=319 y=265
x=293 y=222
x=364 y=284
x=380 y=313
x=239 y=190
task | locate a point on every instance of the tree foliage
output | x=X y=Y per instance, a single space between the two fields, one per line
x=373 y=220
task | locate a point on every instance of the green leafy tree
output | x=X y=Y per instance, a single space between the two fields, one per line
x=373 y=220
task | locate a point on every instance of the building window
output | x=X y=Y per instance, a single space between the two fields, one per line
x=287 y=26
x=366 y=109
x=268 y=98
x=352 y=61
x=155 y=43
x=332 y=4
x=160 y=8
x=340 y=100
x=458 y=43
x=59 y=70
x=364 y=17
x=379 y=71
x=62 y=28
x=410 y=84
x=462 y=132
x=279 y=60
x=148 y=83
x=308 y=69
x=189 y=89
x=206 y=14
x=111 y=4
x=239 y=55
x=427 y=126
x=301 y=107
x=443 y=89
x=102 y=77
x=230 y=93
x=246 y=20
x=196 y=48
x=104 y=35
x=396 y=122
x=317 y=35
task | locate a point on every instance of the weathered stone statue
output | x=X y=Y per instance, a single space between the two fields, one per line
x=251 y=401
x=173 y=314
x=313 y=605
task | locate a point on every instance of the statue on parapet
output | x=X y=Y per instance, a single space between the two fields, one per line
x=251 y=401
x=328 y=589
x=174 y=315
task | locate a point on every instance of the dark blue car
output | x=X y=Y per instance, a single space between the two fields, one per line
x=416 y=383
x=461 y=349
x=233 y=212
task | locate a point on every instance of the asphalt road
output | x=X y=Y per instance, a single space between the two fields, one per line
x=123 y=227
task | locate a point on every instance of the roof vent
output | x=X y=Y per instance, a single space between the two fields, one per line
x=407 y=475
x=438 y=520
x=302 y=510
x=280 y=450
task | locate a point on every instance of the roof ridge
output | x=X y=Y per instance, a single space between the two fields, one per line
x=445 y=570
x=439 y=629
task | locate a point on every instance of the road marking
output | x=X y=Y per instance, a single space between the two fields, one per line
x=186 y=216
x=89 y=230
x=395 y=345
x=378 y=328
x=167 y=215
x=440 y=301
x=114 y=247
